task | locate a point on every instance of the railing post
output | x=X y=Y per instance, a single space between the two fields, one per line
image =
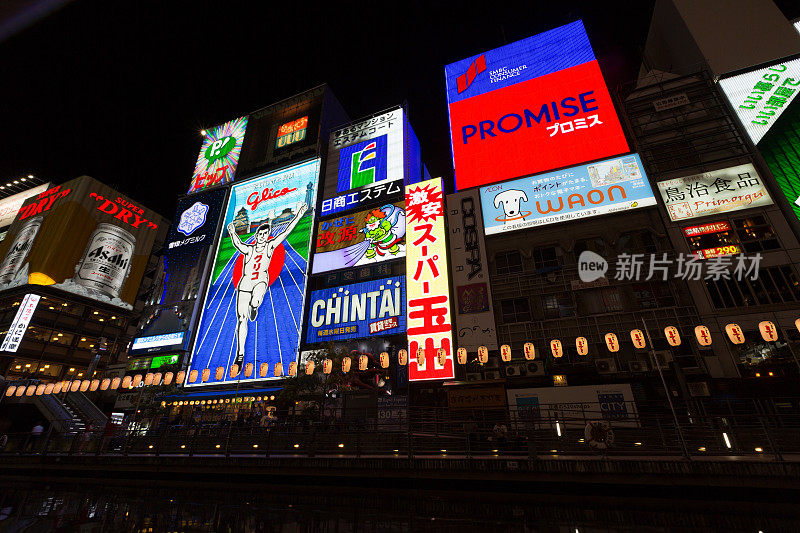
x=775 y=452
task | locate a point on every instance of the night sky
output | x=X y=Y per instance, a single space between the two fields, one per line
x=120 y=90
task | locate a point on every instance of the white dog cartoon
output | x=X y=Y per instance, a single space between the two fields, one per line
x=510 y=200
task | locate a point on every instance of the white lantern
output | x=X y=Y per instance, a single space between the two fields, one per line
x=556 y=348
x=611 y=342
x=703 y=335
x=384 y=360
x=637 y=338
x=582 y=345
x=462 y=356
x=483 y=354
x=768 y=331
x=673 y=335
x=346 y=362
x=735 y=333
x=530 y=351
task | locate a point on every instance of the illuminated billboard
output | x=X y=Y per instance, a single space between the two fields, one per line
x=760 y=97
x=599 y=188
x=375 y=307
x=253 y=308
x=781 y=150
x=713 y=193
x=166 y=323
x=291 y=132
x=9 y=206
x=219 y=155
x=427 y=283
x=81 y=237
x=18 y=327
x=361 y=238
x=365 y=156
x=533 y=105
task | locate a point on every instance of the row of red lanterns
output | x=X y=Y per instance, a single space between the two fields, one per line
x=734 y=332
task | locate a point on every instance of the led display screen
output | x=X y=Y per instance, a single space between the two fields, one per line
x=781 y=150
x=9 y=206
x=599 y=188
x=291 y=132
x=361 y=238
x=533 y=105
x=367 y=154
x=359 y=310
x=81 y=237
x=760 y=97
x=253 y=308
x=713 y=193
x=428 y=283
x=219 y=155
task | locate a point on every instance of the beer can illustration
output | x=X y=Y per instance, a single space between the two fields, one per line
x=19 y=249
x=106 y=262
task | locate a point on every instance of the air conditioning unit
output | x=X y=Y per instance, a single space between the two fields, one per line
x=699 y=388
x=516 y=371
x=606 y=366
x=492 y=374
x=637 y=366
x=474 y=376
x=535 y=368
x=492 y=362
x=663 y=357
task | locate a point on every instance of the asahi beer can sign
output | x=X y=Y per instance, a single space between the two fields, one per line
x=16 y=255
x=107 y=261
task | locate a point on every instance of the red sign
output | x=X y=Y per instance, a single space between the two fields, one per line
x=552 y=121
x=293 y=126
x=718 y=251
x=704 y=229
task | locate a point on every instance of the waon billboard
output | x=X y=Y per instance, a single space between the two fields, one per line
x=530 y=106
x=80 y=237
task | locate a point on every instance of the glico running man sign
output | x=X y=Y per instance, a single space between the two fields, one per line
x=599 y=188
x=533 y=105
x=254 y=303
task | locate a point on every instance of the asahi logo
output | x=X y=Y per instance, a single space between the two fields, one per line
x=109 y=255
x=471 y=248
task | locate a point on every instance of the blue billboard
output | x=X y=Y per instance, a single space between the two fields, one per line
x=599 y=188
x=359 y=310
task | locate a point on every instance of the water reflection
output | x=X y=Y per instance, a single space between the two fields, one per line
x=232 y=508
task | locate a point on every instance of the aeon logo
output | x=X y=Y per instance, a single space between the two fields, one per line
x=465 y=80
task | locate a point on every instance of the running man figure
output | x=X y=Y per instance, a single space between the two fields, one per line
x=255 y=278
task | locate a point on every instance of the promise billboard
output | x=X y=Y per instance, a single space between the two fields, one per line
x=219 y=155
x=530 y=106
x=253 y=308
x=81 y=237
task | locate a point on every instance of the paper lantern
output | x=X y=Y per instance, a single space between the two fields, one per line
x=115 y=383
x=327 y=365
x=293 y=368
x=278 y=370
x=30 y=390
x=180 y=376
x=148 y=379
x=157 y=378
x=530 y=351
x=461 y=354
x=797 y=324
x=363 y=361
x=49 y=388
x=234 y=371
x=582 y=345
x=75 y=386
x=483 y=354
x=703 y=335
x=193 y=375
x=384 y=360
x=11 y=390
x=612 y=343
x=420 y=358
x=735 y=333
x=673 y=335
x=137 y=379
x=768 y=331
x=441 y=356
x=309 y=367
x=168 y=377
x=85 y=385
x=248 y=370
x=205 y=375
x=556 y=348
x=94 y=384
x=505 y=353
x=20 y=390
x=637 y=338
x=57 y=387
x=40 y=389
x=346 y=362
x=402 y=357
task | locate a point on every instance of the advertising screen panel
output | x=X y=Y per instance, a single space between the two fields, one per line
x=18 y=327
x=219 y=155
x=712 y=193
x=253 y=308
x=367 y=154
x=81 y=237
x=427 y=283
x=359 y=310
x=781 y=150
x=533 y=105
x=475 y=324
x=9 y=206
x=599 y=188
x=760 y=97
x=361 y=238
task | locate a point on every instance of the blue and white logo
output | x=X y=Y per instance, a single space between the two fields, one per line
x=193 y=218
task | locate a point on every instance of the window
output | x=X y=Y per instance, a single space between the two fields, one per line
x=508 y=262
x=595 y=244
x=558 y=305
x=755 y=234
x=515 y=310
x=546 y=258
x=637 y=242
x=653 y=294
x=774 y=285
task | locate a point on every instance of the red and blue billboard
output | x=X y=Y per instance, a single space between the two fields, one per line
x=530 y=106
